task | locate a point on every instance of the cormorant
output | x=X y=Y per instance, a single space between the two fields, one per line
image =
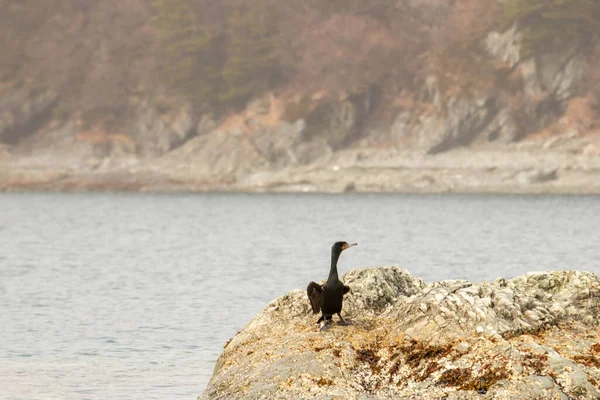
x=329 y=297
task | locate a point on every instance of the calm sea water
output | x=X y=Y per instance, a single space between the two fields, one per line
x=132 y=296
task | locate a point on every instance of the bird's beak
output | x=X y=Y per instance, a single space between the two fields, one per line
x=344 y=247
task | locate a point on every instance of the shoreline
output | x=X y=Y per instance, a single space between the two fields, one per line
x=321 y=182
x=110 y=186
x=518 y=169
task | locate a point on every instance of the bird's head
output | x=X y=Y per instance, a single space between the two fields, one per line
x=338 y=247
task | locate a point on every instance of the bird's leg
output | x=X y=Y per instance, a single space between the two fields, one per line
x=325 y=322
x=342 y=321
x=324 y=325
x=321 y=319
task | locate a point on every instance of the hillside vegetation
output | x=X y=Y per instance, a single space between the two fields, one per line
x=96 y=62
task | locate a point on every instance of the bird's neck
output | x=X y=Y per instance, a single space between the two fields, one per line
x=333 y=272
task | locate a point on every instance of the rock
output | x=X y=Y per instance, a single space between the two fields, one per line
x=242 y=146
x=591 y=150
x=534 y=336
x=206 y=125
x=312 y=151
x=62 y=146
x=157 y=132
x=340 y=122
x=559 y=72
x=545 y=84
x=537 y=176
x=349 y=188
x=459 y=125
x=399 y=130
x=505 y=46
x=276 y=144
x=220 y=155
x=501 y=128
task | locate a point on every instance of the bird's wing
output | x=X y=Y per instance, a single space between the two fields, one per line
x=314 y=291
x=346 y=289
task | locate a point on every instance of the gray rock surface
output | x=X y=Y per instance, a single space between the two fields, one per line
x=537 y=176
x=462 y=119
x=458 y=126
x=532 y=337
x=156 y=133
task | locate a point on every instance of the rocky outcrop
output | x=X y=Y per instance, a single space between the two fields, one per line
x=157 y=133
x=527 y=93
x=262 y=138
x=532 y=337
x=463 y=121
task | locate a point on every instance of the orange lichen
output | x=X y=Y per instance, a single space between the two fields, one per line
x=324 y=382
x=430 y=369
x=394 y=368
x=455 y=377
x=370 y=357
x=588 y=360
x=417 y=351
x=463 y=379
x=536 y=362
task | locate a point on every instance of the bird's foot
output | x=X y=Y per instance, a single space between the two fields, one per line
x=342 y=321
x=323 y=326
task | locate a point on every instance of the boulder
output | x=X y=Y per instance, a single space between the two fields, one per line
x=532 y=337
x=538 y=175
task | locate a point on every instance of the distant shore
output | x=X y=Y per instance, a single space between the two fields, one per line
x=488 y=170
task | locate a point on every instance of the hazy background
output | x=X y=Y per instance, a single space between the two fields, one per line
x=256 y=94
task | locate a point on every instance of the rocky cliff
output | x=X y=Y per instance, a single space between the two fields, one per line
x=249 y=95
x=532 y=337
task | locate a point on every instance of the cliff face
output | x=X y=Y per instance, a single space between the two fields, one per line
x=192 y=85
x=531 y=337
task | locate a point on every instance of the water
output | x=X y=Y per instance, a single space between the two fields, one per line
x=113 y=296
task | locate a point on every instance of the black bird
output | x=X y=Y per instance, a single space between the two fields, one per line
x=329 y=297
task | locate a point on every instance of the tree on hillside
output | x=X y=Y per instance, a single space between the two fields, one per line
x=346 y=47
x=192 y=68
x=555 y=24
x=20 y=22
x=458 y=58
x=252 y=66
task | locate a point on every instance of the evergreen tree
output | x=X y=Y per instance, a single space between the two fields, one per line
x=251 y=67
x=187 y=42
x=555 y=24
